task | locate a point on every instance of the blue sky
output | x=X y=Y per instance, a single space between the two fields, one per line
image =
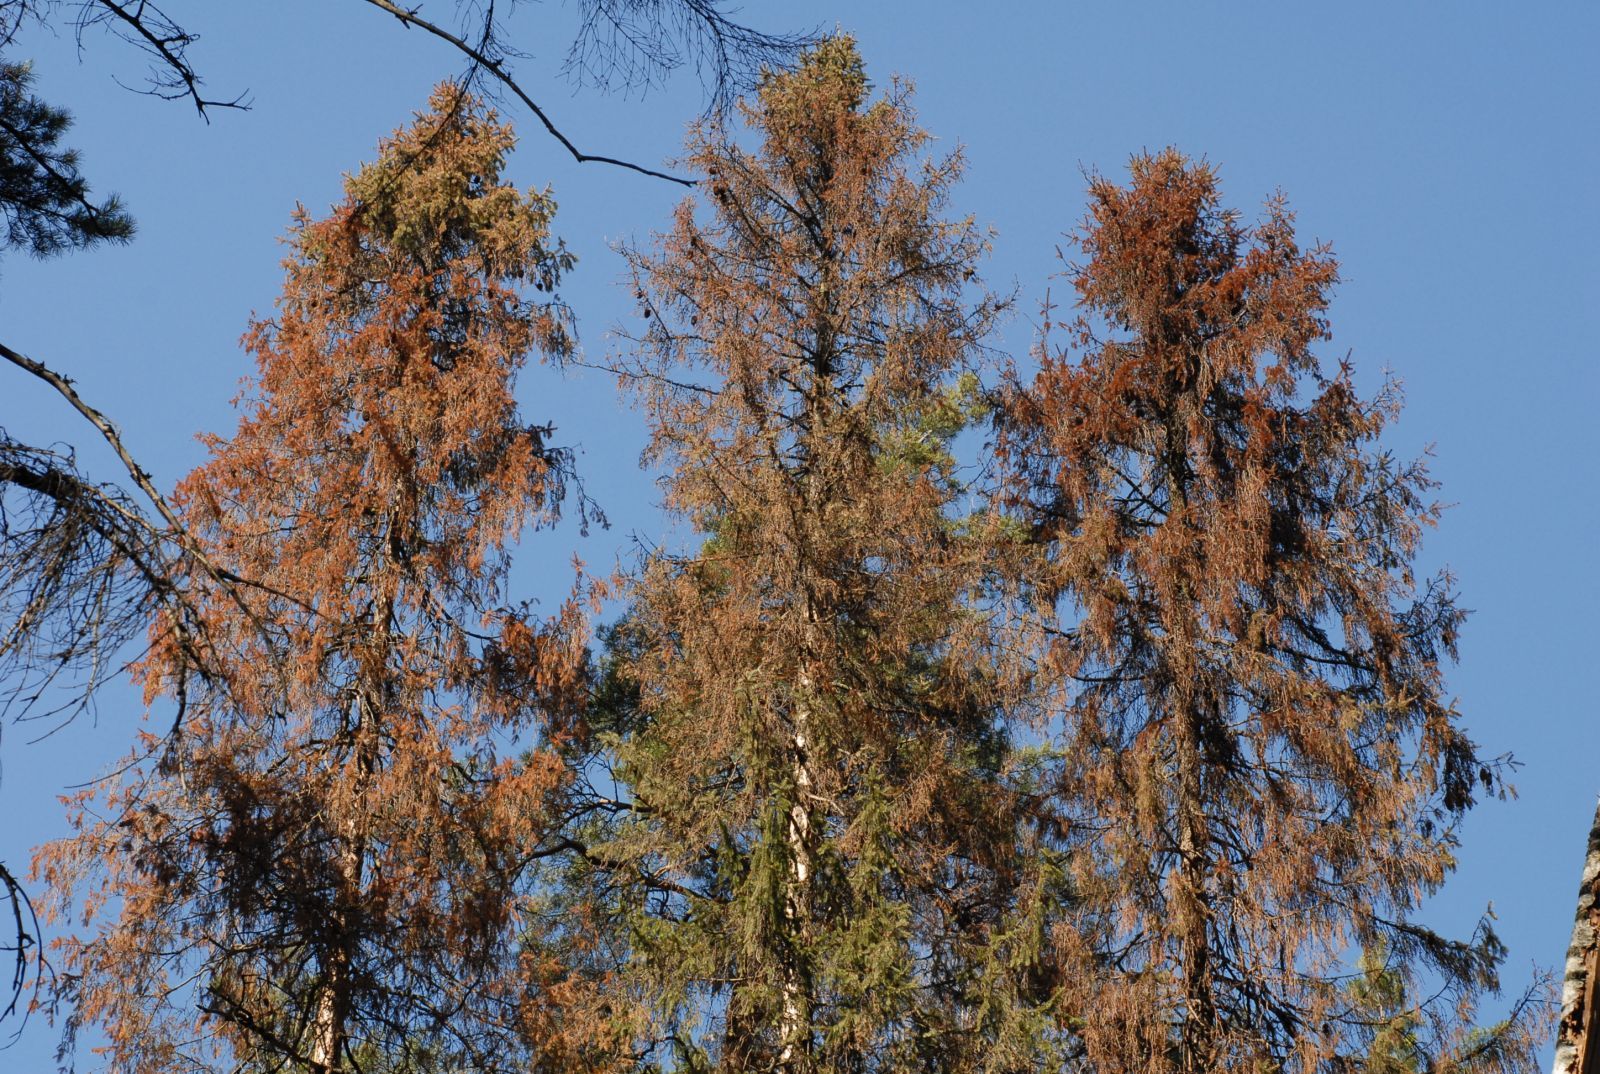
x=1448 y=151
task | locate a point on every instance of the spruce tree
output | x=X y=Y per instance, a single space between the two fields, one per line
x=813 y=850
x=324 y=866
x=1259 y=760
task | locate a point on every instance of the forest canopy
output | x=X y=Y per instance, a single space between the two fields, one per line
x=1085 y=709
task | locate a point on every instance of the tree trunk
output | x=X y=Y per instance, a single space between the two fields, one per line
x=1577 y=1047
x=1192 y=910
x=795 y=1028
x=331 y=1026
x=330 y=1029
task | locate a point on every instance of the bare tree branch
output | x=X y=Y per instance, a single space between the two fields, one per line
x=626 y=44
x=24 y=937
x=493 y=66
x=79 y=569
x=141 y=477
x=146 y=26
x=629 y=44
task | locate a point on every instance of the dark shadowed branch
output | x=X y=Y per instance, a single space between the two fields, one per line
x=165 y=43
x=21 y=932
x=623 y=45
x=226 y=580
x=79 y=568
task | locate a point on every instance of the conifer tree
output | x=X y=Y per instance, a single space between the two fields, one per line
x=814 y=851
x=323 y=867
x=1258 y=754
x=44 y=198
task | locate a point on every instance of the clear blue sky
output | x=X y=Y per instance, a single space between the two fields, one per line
x=1448 y=151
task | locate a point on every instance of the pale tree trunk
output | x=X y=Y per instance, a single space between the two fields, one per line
x=1577 y=1037
x=326 y=1036
x=795 y=1027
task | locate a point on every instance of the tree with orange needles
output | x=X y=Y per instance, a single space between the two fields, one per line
x=324 y=867
x=818 y=859
x=1257 y=753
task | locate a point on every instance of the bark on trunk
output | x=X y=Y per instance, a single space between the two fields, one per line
x=1577 y=1041
x=795 y=1029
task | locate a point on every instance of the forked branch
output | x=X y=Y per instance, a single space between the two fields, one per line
x=493 y=66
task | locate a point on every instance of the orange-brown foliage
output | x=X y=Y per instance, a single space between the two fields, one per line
x=325 y=864
x=818 y=857
x=1257 y=756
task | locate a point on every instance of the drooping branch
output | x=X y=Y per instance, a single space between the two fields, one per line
x=141 y=477
x=627 y=44
x=23 y=929
x=80 y=566
x=102 y=424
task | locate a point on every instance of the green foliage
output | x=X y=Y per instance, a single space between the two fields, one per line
x=831 y=70
x=919 y=439
x=803 y=713
x=434 y=198
x=1383 y=1002
x=43 y=197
